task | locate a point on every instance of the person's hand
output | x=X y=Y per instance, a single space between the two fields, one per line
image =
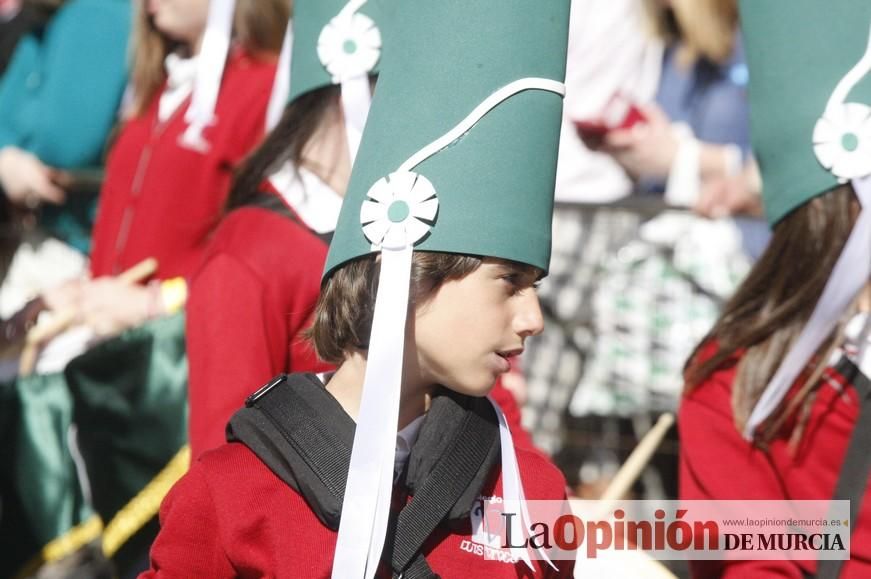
x=27 y=181
x=110 y=305
x=65 y=296
x=646 y=149
x=732 y=195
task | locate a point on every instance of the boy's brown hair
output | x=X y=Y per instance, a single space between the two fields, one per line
x=343 y=316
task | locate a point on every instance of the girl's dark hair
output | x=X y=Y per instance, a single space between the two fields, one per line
x=284 y=143
x=343 y=316
x=770 y=308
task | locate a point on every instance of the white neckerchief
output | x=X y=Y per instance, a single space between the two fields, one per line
x=405 y=439
x=313 y=200
x=181 y=73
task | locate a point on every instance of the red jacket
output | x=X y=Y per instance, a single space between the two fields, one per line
x=230 y=516
x=161 y=199
x=255 y=292
x=717 y=463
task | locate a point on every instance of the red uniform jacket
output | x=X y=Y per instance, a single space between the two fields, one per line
x=717 y=463
x=230 y=516
x=248 y=303
x=161 y=199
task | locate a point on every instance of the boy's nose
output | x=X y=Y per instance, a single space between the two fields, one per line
x=528 y=320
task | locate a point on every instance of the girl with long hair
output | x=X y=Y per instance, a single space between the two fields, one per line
x=778 y=397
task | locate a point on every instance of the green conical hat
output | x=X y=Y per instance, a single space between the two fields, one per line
x=495 y=183
x=311 y=42
x=799 y=52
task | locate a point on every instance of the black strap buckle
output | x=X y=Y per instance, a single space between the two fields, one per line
x=264 y=390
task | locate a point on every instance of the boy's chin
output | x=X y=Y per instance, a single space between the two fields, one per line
x=474 y=388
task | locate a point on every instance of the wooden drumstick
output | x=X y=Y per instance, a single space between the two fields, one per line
x=641 y=455
x=41 y=333
x=641 y=564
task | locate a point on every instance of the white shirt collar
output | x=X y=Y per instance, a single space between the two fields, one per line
x=405 y=439
x=181 y=74
x=312 y=199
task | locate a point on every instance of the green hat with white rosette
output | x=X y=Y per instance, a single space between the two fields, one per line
x=332 y=42
x=810 y=97
x=806 y=88
x=459 y=155
x=328 y=47
x=492 y=177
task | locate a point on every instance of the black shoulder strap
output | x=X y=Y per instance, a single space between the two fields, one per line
x=280 y=425
x=853 y=479
x=299 y=432
x=440 y=492
x=274 y=203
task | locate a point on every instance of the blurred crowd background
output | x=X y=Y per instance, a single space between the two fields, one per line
x=104 y=228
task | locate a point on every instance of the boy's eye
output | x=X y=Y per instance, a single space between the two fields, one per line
x=516 y=283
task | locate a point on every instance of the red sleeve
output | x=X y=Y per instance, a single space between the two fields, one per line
x=254 y=85
x=228 y=346
x=189 y=543
x=716 y=463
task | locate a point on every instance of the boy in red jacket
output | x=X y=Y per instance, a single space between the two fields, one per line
x=428 y=293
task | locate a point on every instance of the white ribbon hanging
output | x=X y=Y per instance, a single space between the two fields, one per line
x=514 y=498
x=849 y=276
x=364 y=521
x=394 y=219
x=210 y=70
x=281 y=84
x=356 y=101
x=349 y=47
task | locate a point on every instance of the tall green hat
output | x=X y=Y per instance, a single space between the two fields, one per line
x=328 y=47
x=333 y=42
x=459 y=155
x=493 y=183
x=807 y=136
x=810 y=97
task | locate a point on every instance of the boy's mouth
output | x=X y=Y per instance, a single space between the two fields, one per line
x=508 y=354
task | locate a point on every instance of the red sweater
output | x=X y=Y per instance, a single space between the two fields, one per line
x=255 y=292
x=230 y=516
x=717 y=463
x=161 y=199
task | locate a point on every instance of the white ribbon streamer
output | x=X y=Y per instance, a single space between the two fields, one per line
x=210 y=70
x=363 y=524
x=514 y=499
x=849 y=276
x=356 y=101
x=281 y=84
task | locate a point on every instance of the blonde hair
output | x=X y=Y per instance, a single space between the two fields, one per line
x=258 y=27
x=706 y=28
